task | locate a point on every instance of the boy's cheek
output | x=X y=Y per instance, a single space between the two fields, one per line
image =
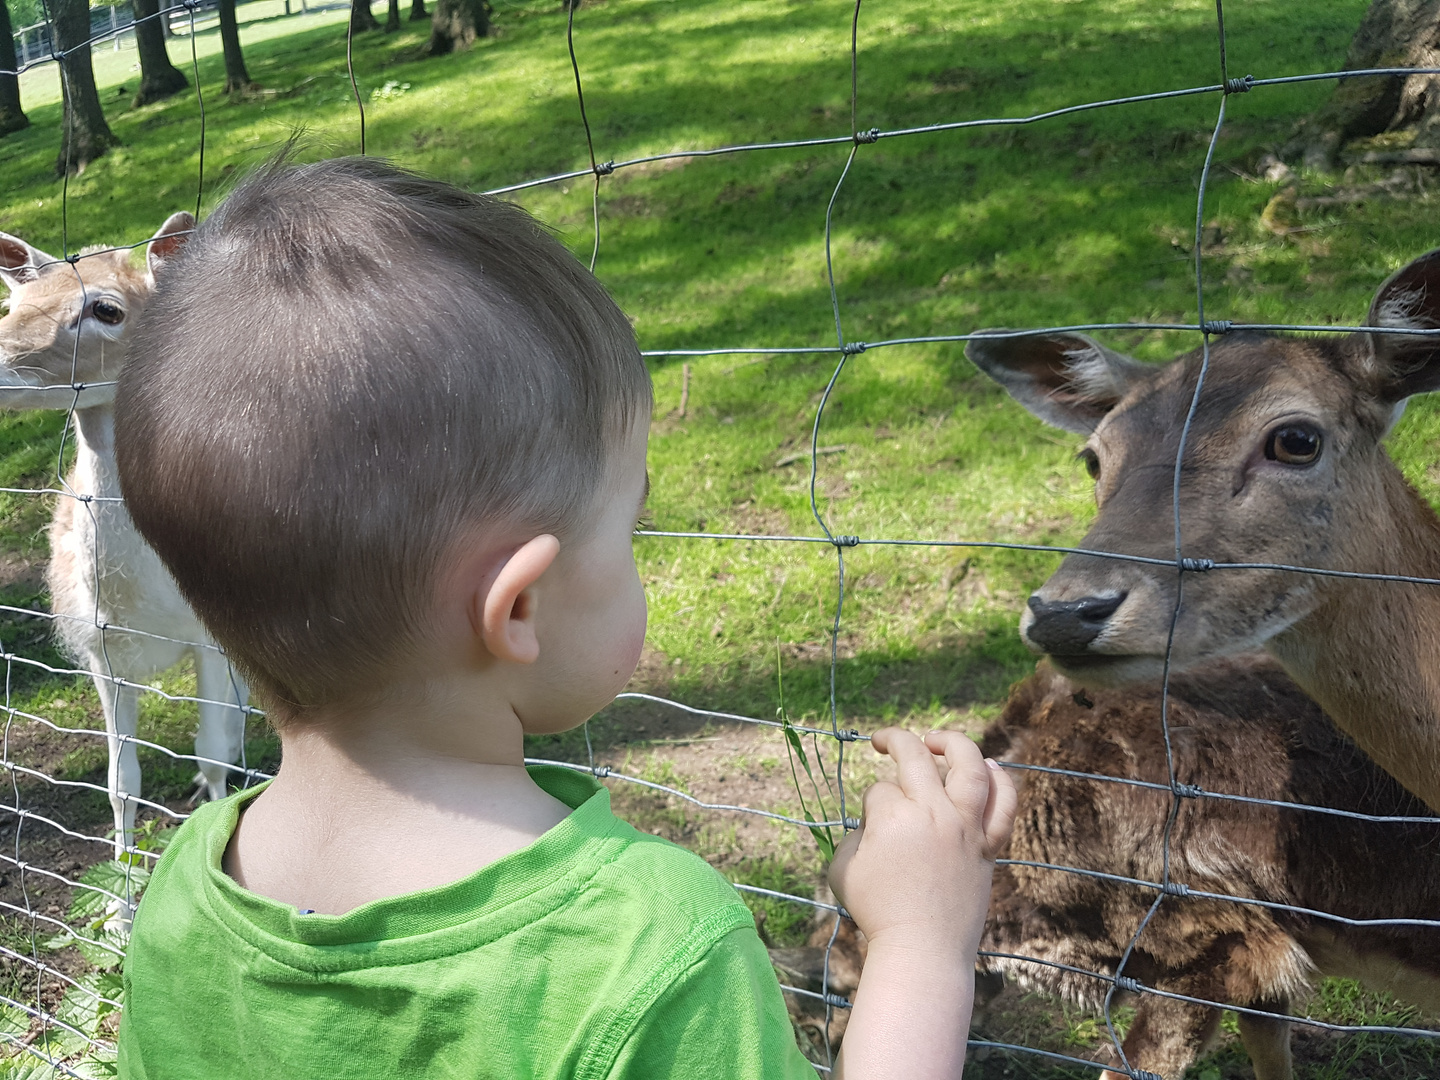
x=628 y=637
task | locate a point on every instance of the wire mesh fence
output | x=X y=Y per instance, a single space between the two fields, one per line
x=68 y=957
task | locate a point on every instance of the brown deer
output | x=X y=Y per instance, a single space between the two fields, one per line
x=1283 y=465
x=1238 y=726
x=118 y=612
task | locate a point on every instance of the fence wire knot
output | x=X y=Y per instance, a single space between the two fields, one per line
x=850 y=348
x=845 y=541
x=873 y=135
x=1188 y=791
x=848 y=735
x=1217 y=326
x=1197 y=566
x=851 y=823
x=1239 y=86
x=1125 y=982
x=1141 y=1074
x=837 y=1001
x=600 y=771
x=605 y=168
x=1175 y=888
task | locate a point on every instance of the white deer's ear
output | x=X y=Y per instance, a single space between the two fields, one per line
x=1406 y=364
x=168 y=241
x=1068 y=380
x=19 y=262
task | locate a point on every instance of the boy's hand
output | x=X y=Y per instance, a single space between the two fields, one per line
x=916 y=878
x=918 y=868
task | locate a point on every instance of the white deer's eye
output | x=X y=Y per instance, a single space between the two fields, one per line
x=108 y=312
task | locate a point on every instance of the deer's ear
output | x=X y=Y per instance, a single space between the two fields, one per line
x=1406 y=364
x=168 y=241
x=19 y=262
x=1068 y=380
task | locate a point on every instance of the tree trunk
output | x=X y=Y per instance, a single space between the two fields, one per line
x=360 y=17
x=417 y=10
x=392 y=20
x=12 y=117
x=237 y=79
x=159 y=78
x=457 y=23
x=85 y=135
x=1393 y=33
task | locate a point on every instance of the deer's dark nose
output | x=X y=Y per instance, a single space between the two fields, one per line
x=1066 y=627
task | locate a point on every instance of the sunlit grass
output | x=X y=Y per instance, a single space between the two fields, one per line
x=1076 y=220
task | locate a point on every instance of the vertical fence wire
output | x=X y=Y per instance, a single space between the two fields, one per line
x=50 y=980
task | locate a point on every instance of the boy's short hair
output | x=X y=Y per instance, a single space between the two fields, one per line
x=345 y=367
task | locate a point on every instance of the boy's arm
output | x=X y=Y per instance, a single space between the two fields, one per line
x=915 y=877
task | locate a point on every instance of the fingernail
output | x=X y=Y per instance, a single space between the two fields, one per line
x=992 y=763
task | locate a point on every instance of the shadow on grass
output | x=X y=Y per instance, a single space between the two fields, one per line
x=872 y=689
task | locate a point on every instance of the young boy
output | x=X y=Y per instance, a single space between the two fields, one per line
x=389 y=437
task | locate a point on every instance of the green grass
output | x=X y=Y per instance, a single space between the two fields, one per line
x=1084 y=219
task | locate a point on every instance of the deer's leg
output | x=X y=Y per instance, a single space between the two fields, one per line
x=1167 y=1036
x=222 y=727
x=121 y=706
x=1267 y=1042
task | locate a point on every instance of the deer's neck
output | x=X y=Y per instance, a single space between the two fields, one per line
x=1369 y=654
x=95 y=472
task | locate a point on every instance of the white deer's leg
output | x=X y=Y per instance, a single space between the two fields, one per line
x=221 y=733
x=121 y=706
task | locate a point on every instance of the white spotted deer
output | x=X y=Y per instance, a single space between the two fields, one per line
x=1284 y=465
x=116 y=608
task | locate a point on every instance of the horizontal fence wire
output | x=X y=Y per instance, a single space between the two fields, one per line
x=1168 y=890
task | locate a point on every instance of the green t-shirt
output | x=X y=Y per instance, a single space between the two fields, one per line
x=597 y=951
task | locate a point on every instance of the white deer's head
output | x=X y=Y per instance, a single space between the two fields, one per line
x=62 y=341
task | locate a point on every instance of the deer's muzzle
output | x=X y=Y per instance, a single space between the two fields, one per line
x=1067 y=627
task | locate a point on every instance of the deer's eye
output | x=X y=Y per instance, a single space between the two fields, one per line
x=1293 y=444
x=1092 y=462
x=108 y=312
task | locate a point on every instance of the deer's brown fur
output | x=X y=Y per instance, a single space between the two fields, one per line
x=1238 y=726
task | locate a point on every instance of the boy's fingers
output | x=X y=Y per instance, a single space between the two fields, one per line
x=877 y=797
x=840 y=865
x=999 y=810
x=967 y=781
x=958 y=749
x=914 y=764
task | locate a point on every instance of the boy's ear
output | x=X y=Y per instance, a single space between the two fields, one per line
x=504 y=614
